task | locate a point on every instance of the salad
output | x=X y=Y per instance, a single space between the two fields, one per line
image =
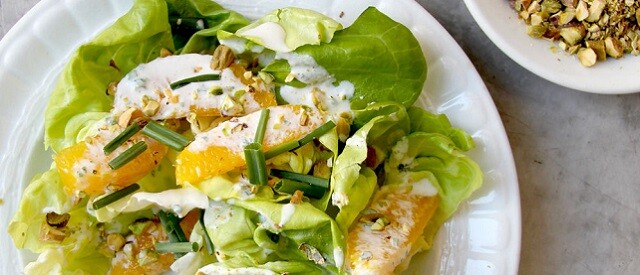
x=189 y=139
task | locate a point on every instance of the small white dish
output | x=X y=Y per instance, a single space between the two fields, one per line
x=501 y=24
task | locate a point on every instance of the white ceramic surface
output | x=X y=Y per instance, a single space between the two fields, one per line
x=502 y=25
x=482 y=238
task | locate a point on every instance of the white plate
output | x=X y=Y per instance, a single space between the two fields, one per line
x=502 y=25
x=482 y=238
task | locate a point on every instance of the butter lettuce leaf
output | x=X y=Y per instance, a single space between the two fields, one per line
x=381 y=57
x=296 y=26
x=194 y=24
x=424 y=121
x=379 y=127
x=252 y=233
x=436 y=157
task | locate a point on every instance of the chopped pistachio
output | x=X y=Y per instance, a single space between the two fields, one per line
x=582 y=11
x=598 y=48
x=536 y=31
x=566 y=17
x=296 y=198
x=312 y=253
x=111 y=88
x=222 y=58
x=151 y=108
x=216 y=90
x=572 y=35
x=115 y=242
x=164 y=52
x=57 y=220
x=595 y=10
x=570 y=3
x=551 y=6
x=536 y=20
x=228 y=106
x=587 y=57
x=613 y=47
x=266 y=77
x=52 y=234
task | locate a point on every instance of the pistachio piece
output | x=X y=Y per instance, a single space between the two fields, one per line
x=296 y=198
x=164 y=52
x=572 y=35
x=570 y=3
x=598 y=48
x=582 y=11
x=51 y=233
x=151 y=108
x=536 y=20
x=587 y=57
x=536 y=31
x=57 y=220
x=595 y=10
x=223 y=57
x=111 y=88
x=613 y=47
x=551 y=6
x=115 y=242
x=312 y=253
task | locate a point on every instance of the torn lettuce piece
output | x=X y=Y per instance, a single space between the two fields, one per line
x=424 y=121
x=195 y=23
x=274 y=267
x=380 y=126
x=253 y=233
x=434 y=157
x=44 y=194
x=286 y=29
x=400 y=67
x=78 y=253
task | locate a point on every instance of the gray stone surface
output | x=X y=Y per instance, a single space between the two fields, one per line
x=576 y=155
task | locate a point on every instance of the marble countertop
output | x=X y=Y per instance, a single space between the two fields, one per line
x=576 y=155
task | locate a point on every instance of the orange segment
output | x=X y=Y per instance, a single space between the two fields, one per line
x=84 y=166
x=251 y=102
x=380 y=249
x=220 y=149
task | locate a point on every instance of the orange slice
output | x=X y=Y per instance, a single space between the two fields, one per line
x=221 y=149
x=378 y=246
x=84 y=167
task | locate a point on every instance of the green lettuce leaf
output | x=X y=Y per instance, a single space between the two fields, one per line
x=434 y=156
x=249 y=234
x=424 y=121
x=45 y=192
x=379 y=56
x=378 y=126
x=199 y=21
x=300 y=27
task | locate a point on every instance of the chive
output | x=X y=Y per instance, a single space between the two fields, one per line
x=262 y=126
x=128 y=155
x=165 y=135
x=321 y=182
x=281 y=149
x=113 y=197
x=121 y=138
x=197 y=78
x=171 y=224
x=256 y=164
x=292 y=145
x=290 y=186
x=176 y=248
x=317 y=132
x=207 y=238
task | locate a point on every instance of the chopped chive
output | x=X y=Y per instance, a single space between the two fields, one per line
x=290 y=186
x=113 y=197
x=256 y=164
x=321 y=182
x=292 y=145
x=262 y=126
x=165 y=135
x=207 y=238
x=197 y=78
x=128 y=155
x=317 y=132
x=176 y=248
x=121 y=138
x=286 y=147
x=171 y=224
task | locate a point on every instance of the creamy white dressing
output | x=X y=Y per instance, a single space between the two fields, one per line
x=217 y=214
x=334 y=100
x=151 y=82
x=338 y=256
x=180 y=201
x=236 y=133
x=424 y=188
x=339 y=199
x=269 y=34
x=286 y=213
